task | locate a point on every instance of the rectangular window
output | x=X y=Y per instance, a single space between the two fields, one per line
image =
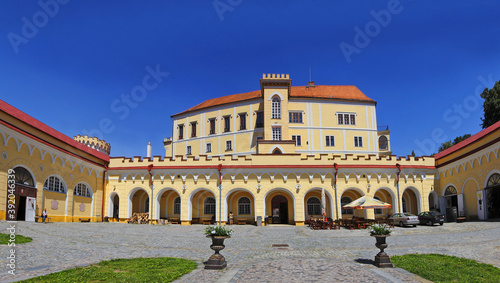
x=229 y=145
x=358 y=141
x=188 y=150
x=346 y=118
x=209 y=147
x=295 y=117
x=243 y=208
x=177 y=206
x=193 y=129
x=260 y=120
x=243 y=121
x=181 y=132
x=330 y=140
x=227 y=124
x=212 y=126
x=298 y=140
x=276 y=133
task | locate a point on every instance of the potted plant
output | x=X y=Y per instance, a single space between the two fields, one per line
x=218 y=234
x=381 y=232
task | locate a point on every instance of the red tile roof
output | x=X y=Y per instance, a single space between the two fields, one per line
x=18 y=114
x=335 y=92
x=468 y=141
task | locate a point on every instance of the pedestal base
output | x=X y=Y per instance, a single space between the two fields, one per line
x=382 y=260
x=216 y=261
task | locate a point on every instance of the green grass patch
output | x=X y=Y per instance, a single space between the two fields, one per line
x=163 y=269
x=443 y=268
x=4 y=239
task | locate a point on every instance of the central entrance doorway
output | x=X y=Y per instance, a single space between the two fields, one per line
x=279 y=206
x=22 y=195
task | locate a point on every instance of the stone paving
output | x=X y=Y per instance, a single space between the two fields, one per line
x=311 y=255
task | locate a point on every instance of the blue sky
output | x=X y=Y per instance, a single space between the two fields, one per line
x=71 y=63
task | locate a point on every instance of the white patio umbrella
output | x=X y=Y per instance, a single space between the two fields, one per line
x=366 y=202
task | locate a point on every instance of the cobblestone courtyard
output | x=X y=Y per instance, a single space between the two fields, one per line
x=319 y=256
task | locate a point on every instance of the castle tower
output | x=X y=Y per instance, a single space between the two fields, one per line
x=94 y=143
x=275 y=89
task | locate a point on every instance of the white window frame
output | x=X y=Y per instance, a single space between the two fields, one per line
x=358 y=141
x=54 y=184
x=244 y=208
x=276 y=133
x=313 y=207
x=330 y=141
x=297 y=139
x=229 y=145
x=276 y=108
x=82 y=190
x=177 y=205
x=209 y=207
x=189 y=150
x=209 y=147
x=341 y=118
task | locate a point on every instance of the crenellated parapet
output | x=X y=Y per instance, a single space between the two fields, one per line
x=275 y=76
x=282 y=161
x=94 y=143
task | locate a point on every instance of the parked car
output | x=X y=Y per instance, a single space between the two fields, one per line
x=403 y=219
x=431 y=217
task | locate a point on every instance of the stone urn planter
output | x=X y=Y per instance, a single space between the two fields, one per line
x=382 y=259
x=216 y=261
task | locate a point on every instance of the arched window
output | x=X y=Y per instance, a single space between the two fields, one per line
x=377 y=210
x=276 y=108
x=277 y=151
x=23 y=177
x=382 y=143
x=244 y=205
x=82 y=190
x=403 y=203
x=54 y=184
x=493 y=181
x=344 y=201
x=313 y=206
x=450 y=190
x=209 y=205
x=177 y=205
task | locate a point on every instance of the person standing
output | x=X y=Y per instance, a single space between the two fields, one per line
x=44 y=215
x=231 y=217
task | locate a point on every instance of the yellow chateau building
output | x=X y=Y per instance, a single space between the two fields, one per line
x=49 y=170
x=282 y=152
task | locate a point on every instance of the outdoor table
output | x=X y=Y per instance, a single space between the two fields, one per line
x=325 y=224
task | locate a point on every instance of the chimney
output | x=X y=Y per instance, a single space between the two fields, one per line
x=149 y=150
x=311 y=84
